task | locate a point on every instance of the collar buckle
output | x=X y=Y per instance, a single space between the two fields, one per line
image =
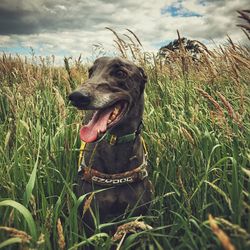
x=113 y=140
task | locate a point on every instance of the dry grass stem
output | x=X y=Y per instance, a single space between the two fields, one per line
x=61 y=239
x=87 y=203
x=212 y=100
x=17 y=233
x=221 y=235
x=130 y=227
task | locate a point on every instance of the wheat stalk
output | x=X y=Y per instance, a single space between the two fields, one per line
x=244 y=15
x=228 y=106
x=17 y=233
x=61 y=239
x=236 y=229
x=212 y=100
x=221 y=235
x=187 y=135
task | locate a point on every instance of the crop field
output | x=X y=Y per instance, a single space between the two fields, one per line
x=197 y=131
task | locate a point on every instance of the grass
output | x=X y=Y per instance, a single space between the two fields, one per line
x=197 y=133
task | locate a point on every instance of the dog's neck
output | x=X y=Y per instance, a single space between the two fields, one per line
x=120 y=157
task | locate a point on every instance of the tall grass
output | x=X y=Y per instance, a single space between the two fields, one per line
x=197 y=133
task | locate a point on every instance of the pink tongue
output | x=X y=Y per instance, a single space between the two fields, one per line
x=98 y=123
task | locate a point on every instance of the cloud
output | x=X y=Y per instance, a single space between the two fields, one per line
x=67 y=28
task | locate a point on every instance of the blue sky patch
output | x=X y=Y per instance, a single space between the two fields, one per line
x=16 y=50
x=178 y=11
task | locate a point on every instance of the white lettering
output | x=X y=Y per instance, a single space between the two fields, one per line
x=113 y=181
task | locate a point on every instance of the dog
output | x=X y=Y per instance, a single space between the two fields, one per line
x=114 y=156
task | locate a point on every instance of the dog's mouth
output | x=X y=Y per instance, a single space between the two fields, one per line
x=102 y=120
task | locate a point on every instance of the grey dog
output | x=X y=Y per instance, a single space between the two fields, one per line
x=114 y=156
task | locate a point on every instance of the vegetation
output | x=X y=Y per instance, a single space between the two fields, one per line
x=197 y=118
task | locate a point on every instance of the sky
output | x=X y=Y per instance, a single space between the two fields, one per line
x=70 y=28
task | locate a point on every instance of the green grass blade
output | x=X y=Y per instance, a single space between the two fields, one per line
x=26 y=214
x=31 y=183
x=92 y=239
x=10 y=241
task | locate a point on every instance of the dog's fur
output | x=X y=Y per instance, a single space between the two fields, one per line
x=111 y=80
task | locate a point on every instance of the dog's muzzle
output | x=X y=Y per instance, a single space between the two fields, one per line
x=79 y=98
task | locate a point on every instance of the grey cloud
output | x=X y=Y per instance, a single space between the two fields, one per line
x=221 y=17
x=10 y=22
x=29 y=16
x=73 y=26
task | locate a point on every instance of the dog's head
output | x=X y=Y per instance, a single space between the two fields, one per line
x=114 y=87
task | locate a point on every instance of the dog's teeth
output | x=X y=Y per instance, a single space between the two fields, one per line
x=116 y=110
x=114 y=114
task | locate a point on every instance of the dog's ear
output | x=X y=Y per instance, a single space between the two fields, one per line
x=144 y=79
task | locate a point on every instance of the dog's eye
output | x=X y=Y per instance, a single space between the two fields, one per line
x=121 y=74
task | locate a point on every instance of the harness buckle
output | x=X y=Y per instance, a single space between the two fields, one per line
x=113 y=140
x=143 y=173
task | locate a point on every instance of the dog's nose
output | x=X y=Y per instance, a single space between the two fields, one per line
x=78 y=98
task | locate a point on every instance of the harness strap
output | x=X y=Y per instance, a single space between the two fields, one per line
x=93 y=176
x=83 y=145
x=144 y=147
x=81 y=160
